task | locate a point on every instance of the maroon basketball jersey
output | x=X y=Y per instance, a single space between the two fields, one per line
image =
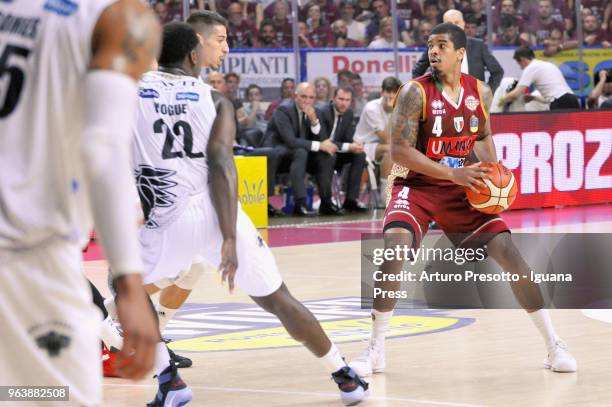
x=447 y=130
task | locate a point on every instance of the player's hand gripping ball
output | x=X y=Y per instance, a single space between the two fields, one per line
x=499 y=191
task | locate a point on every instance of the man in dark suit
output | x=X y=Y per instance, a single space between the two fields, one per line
x=293 y=133
x=478 y=59
x=337 y=125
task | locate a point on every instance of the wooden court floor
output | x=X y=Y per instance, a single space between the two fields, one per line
x=493 y=359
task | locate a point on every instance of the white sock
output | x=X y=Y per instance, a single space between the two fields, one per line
x=110 y=335
x=162 y=358
x=111 y=308
x=380 y=324
x=165 y=315
x=332 y=360
x=541 y=319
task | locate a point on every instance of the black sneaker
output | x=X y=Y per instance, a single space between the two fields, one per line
x=172 y=390
x=179 y=361
x=353 y=389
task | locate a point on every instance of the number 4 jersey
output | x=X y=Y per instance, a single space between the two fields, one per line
x=447 y=129
x=174 y=121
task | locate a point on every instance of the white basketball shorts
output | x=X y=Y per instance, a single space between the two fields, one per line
x=194 y=237
x=50 y=326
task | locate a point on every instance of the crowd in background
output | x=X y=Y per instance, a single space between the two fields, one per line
x=367 y=23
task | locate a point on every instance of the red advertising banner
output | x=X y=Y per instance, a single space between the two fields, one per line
x=557 y=158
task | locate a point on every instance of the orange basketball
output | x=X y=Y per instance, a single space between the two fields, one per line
x=499 y=192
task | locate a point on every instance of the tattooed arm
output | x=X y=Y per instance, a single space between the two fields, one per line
x=404 y=132
x=124 y=41
x=484 y=146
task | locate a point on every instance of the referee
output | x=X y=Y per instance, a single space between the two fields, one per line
x=546 y=78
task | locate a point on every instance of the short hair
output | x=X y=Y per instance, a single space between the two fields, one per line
x=523 y=52
x=250 y=87
x=285 y=81
x=345 y=72
x=471 y=19
x=345 y=88
x=178 y=40
x=202 y=21
x=455 y=34
x=356 y=76
x=391 y=84
x=232 y=75
x=431 y=3
x=508 y=21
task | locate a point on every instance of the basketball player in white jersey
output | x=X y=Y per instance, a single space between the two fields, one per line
x=67 y=97
x=186 y=178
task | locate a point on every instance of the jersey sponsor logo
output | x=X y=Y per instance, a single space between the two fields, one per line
x=192 y=96
x=450 y=146
x=471 y=102
x=228 y=327
x=473 y=124
x=401 y=204
x=148 y=93
x=437 y=107
x=452 y=162
x=64 y=8
x=458 y=121
x=153 y=186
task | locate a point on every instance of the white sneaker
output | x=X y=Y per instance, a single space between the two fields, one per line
x=372 y=360
x=559 y=359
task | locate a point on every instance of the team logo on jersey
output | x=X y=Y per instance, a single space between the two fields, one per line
x=61 y=7
x=222 y=327
x=473 y=124
x=153 y=186
x=437 y=107
x=194 y=97
x=401 y=204
x=471 y=102
x=147 y=93
x=53 y=336
x=458 y=146
x=458 y=121
x=452 y=162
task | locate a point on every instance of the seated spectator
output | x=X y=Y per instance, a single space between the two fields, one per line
x=385 y=40
x=337 y=125
x=251 y=115
x=601 y=9
x=542 y=25
x=355 y=29
x=287 y=91
x=328 y=11
x=363 y=12
x=241 y=32
x=217 y=81
x=602 y=91
x=282 y=24
x=372 y=129
x=546 y=78
x=232 y=83
x=293 y=132
x=422 y=33
x=471 y=26
x=374 y=29
x=340 y=30
x=509 y=34
x=270 y=8
x=319 y=35
x=359 y=98
x=592 y=34
x=166 y=13
x=478 y=17
x=323 y=91
x=507 y=8
x=303 y=38
x=431 y=12
x=410 y=12
x=445 y=5
x=266 y=37
x=344 y=78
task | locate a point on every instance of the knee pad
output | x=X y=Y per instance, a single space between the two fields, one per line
x=187 y=279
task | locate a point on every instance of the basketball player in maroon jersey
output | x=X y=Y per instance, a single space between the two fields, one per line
x=438 y=119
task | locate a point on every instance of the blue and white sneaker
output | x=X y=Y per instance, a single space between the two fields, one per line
x=353 y=389
x=172 y=392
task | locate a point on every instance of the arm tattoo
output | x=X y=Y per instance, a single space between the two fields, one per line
x=406 y=115
x=487 y=98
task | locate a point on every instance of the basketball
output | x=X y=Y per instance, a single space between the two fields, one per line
x=499 y=192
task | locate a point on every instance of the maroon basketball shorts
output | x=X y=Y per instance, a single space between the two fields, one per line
x=414 y=208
